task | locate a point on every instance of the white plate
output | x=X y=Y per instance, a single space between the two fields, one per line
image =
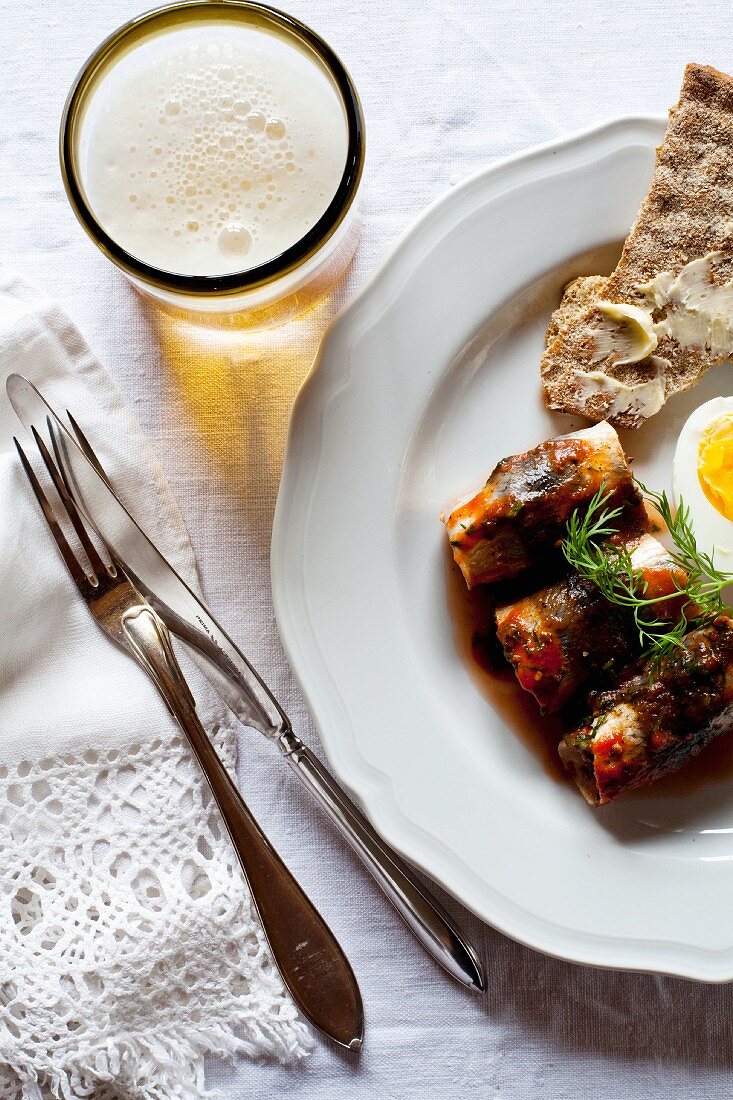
x=425 y=381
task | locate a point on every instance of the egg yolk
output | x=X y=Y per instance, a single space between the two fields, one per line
x=715 y=464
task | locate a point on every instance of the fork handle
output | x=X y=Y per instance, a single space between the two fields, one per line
x=311 y=962
x=421 y=912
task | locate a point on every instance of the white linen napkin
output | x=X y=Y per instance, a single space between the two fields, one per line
x=128 y=947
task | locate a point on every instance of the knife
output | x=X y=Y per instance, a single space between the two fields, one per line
x=237 y=682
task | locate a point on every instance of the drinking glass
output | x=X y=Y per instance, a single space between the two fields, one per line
x=284 y=285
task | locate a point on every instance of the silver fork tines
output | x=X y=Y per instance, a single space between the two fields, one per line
x=102 y=577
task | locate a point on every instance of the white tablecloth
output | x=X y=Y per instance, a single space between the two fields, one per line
x=448 y=86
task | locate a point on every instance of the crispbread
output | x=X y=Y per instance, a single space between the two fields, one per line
x=688 y=213
x=577 y=296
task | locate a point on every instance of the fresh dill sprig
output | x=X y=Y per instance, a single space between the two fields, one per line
x=705 y=582
x=589 y=549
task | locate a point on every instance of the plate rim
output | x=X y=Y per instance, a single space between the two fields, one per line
x=352 y=770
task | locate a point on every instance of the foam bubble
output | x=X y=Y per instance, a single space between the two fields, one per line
x=275 y=129
x=235 y=239
x=256 y=121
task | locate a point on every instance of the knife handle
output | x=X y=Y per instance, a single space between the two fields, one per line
x=308 y=956
x=423 y=914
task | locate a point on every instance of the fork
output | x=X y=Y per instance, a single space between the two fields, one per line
x=311 y=962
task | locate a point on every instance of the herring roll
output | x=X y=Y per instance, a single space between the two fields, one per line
x=558 y=638
x=655 y=720
x=521 y=512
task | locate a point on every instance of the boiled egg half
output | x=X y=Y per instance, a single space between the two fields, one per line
x=703 y=477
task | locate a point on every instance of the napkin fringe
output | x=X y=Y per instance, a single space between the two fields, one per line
x=168 y=1065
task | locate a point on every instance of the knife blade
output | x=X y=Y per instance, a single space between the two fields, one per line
x=236 y=681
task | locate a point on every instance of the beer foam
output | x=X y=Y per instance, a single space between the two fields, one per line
x=211 y=149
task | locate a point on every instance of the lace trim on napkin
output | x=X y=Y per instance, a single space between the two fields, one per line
x=111 y=861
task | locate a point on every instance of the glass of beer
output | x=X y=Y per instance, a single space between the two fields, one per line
x=213 y=150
